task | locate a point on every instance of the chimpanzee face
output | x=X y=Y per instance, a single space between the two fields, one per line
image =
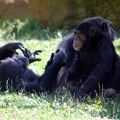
x=83 y=35
x=79 y=40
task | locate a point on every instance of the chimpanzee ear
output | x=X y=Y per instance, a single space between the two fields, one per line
x=92 y=31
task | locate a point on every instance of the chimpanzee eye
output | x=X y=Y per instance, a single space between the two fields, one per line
x=81 y=33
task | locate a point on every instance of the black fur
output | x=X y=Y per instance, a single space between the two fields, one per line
x=14 y=71
x=67 y=42
x=96 y=65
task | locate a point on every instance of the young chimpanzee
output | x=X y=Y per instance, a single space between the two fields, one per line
x=14 y=71
x=67 y=42
x=96 y=65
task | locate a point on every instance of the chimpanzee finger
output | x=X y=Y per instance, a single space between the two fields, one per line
x=52 y=56
x=34 y=59
x=21 y=47
x=50 y=61
x=27 y=53
x=73 y=90
x=37 y=59
x=36 y=52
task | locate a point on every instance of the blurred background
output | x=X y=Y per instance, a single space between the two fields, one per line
x=61 y=13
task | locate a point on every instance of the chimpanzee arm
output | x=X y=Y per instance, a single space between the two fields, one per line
x=8 y=50
x=32 y=56
x=46 y=82
x=105 y=57
x=50 y=61
x=49 y=78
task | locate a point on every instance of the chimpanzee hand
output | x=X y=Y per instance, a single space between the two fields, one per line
x=80 y=95
x=32 y=56
x=14 y=46
x=63 y=82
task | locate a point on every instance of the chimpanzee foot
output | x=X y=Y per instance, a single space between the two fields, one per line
x=60 y=56
x=73 y=90
x=109 y=92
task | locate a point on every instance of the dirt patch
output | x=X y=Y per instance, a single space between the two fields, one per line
x=10 y=9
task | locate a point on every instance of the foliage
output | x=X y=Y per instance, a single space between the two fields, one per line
x=22 y=106
x=28 y=29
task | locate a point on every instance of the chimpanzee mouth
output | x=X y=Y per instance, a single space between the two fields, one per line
x=77 y=47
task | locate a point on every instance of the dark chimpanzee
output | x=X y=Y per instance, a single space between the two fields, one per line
x=67 y=42
x=9 y=50
x=8 y=53
x=96 y=65
x=14 y=69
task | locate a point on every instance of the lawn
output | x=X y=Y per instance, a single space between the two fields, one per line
x=20 y=106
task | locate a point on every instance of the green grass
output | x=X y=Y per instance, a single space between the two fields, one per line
x=20 y=106
x=28 y=29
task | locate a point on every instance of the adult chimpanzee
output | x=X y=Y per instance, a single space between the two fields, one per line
x=96 y=65
x=14 y=71
x=67 y=42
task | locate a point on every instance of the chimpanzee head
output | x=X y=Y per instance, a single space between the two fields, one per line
x=84 y=33
x=90 y=28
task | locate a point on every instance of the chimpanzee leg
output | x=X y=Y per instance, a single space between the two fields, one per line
x=48 y=80
x=114 y=85
x=32 y=86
